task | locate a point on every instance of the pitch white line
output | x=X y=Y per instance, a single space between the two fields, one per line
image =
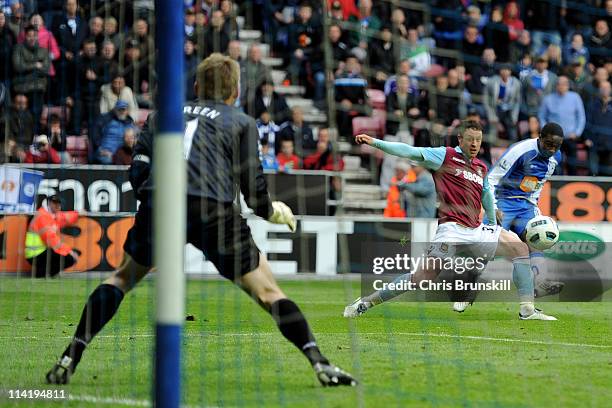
x=412 y=334
x=117 y=401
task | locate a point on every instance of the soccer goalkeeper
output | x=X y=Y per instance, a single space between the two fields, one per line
x=222 y=159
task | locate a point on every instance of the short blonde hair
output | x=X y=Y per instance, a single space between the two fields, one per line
x=218 y=78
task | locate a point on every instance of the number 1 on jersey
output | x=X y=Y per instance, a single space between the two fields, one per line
x=190 y=129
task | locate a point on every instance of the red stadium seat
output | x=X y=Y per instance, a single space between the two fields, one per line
x=368 y=125
x=377 y=99
x=78 y=147
x=48 y=110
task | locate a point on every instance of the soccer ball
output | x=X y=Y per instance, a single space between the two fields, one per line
x=542 y=233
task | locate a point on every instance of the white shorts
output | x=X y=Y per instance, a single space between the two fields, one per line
x=452 y=239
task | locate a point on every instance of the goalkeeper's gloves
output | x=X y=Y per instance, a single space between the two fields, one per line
x=282 y=215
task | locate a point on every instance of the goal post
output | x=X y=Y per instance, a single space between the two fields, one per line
x=169 y=203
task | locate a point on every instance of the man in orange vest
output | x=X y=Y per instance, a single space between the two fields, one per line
x=403 y=173
x=44 y=234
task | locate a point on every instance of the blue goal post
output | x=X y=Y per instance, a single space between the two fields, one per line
x=169 y=203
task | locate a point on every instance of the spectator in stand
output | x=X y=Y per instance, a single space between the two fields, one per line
x=599 y=131
x=417 y=53
x=536 y=85
x=298 y=131
x=579 y=77
x=447 y=19
x=512 y=19
x=268 y=130
x=533 y=128
x=20 y=129
x=340 y=50
x=267 y=100
x=481 y=73
x=230 y=25
x=502 y=100
x=565 y=108
x=382 y=58
x=543 y=19
x=475 y=17
x=46 y=40
x=391 y=82
x=524 y=67
x=419 y=196
x=306 y=67
x=324 y=158
x=140 y=35
x=57 y=137
x=123 y=155
x=600 y=43
x=108 y=65
x=7 y=42
x=395 y=206
x=521 y=47
x=347 y=7
x=350 y=88
x=233 y=50
x=70 y=30
x=96 y=31
x=496 y=35
x=287 y=159
x=40 y=152
x=190 y=27
x=591 y=89
x=402 y=107
x=87 y=96
x=576 y=50
x=213 y=38
x=110 y=32
x=137 y=74
x=190 y=66
x=555 y=58
x=252 y=73
x=31 y=66
x=369 y=24
x=268 y=160
x=16 y=21
x=107 y=136
x=398 y=22
x=472 y=47
x=117 y=90
x=446 y=102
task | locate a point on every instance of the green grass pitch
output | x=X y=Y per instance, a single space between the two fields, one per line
x=404 y=354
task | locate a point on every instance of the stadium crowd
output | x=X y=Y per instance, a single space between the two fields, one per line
x=398 y=71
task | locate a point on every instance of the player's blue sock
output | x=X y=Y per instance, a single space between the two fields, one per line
x=386 y=294
x=538 y=264
x=523 y=278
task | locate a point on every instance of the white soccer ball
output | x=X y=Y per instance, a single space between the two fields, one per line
x=542 y=233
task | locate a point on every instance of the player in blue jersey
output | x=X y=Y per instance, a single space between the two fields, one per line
x=517 y=180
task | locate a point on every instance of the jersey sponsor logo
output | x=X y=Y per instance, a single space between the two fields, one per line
x=468 y=175
x=458 y=160
x=529 y=184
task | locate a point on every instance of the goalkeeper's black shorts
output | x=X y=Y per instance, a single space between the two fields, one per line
x=217 y=229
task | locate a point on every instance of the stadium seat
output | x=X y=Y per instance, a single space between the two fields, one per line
x=368 y=125
x=48 y=110
x=377 y=99
x=78 y=147
x=381 y=115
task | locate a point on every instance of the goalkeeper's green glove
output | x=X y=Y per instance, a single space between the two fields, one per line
x=282 y=215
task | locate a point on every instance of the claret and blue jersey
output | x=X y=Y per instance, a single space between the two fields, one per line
x=517 y=180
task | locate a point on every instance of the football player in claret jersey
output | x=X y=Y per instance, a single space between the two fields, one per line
x=221 y=150
x=463 y=189
x=517 y=180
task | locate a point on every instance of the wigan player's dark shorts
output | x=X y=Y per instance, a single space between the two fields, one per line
x=217 y=229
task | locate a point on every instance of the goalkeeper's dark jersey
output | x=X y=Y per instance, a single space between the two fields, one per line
x=221 y=147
